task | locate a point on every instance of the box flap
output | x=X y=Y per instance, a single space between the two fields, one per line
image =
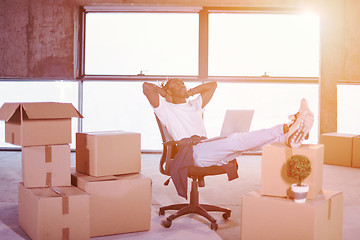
x=7 y=110
x=106 y=133
x=336 y=134
x=88 y=178
x=56 y=191
x=110 y=133
x=50 y=110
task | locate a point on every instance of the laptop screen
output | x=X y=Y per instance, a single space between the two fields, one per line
x=236 y=120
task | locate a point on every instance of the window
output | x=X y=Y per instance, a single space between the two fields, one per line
x=348 y=112
x=164 y=44
x=232 y=48
x=141 y=43
x=285 y=45
x=120 y=105
x=272 y=102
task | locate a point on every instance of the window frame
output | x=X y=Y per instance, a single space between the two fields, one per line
x=203 y=44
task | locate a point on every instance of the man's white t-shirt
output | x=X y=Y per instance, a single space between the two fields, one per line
x=182 y=120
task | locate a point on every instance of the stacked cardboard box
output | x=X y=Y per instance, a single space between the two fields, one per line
x=274 y=179
x=108 y=168
x=49 y=207
x=341 y=149
x=275 y=218
x=109 y=194
x=46 y=166
x=108 y=153
x=271 y=212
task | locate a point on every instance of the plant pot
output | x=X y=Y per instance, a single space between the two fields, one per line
x=300 y=192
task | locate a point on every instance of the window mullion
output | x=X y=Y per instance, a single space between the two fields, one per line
x=203 y=44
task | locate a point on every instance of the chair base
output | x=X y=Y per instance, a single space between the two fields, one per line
x=194 y=207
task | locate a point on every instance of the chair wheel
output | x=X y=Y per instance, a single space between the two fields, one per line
x=161 y=212
x=214 y=226
x=166 y=223
x=226 y=215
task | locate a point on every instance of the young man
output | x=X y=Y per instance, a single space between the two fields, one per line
x=183 y=119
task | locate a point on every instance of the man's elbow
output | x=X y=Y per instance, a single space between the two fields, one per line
x=213 y=85
x=146 y=87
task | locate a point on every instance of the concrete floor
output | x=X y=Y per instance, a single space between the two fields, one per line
x=337 y=178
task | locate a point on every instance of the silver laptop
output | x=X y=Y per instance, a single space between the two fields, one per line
x=236 y=121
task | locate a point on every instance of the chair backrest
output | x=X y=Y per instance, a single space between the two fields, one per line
x=168 y=149
x=165 y=136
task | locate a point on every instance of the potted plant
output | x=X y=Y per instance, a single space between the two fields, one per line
x=299 y=167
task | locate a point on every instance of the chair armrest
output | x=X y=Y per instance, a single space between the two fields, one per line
x=170 y=143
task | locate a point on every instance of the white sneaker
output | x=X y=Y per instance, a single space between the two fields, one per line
x=299 y=130
x=304 y=106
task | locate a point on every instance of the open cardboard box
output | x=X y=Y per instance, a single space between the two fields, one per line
x=46 y=166
x=38 y=123
x=53 y=213
x=274 y=179
x=275 y=218
x=108 y=153
x=118 y=204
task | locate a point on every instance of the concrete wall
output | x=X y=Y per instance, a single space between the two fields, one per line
x=37 y=40
x=340 y=55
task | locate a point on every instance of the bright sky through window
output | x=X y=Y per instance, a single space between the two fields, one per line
x=285 y=45
x=151 y=43
x=252 y=44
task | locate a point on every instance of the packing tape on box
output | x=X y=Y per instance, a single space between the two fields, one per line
x=329 y=211
x=48 y=159
x=48 y=154
x=65 y=210
x=333 y=202
x=86 y=165
x=65 y=233
x=48 y=179
x=65 y=200
x=87 y=158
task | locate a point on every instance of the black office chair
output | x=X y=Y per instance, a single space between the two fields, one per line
x=197 y=175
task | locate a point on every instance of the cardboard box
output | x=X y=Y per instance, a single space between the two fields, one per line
x=46 y=166
x=108 y=153
x=356 y=152
x=274 y=218
x=40 y=123
x=274 y=179
x=338 y=148
x=118 y=204
x=54 y=213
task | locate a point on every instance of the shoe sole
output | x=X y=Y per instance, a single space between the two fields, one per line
x=306 y=122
